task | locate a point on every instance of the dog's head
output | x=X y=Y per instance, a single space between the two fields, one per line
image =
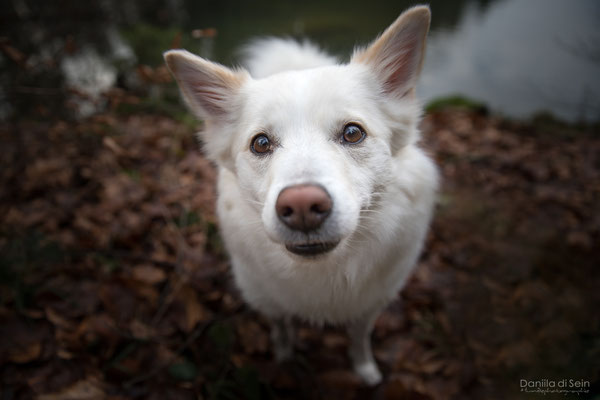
x=312 y=149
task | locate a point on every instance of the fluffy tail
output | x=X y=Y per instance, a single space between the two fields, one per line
x=268 y=56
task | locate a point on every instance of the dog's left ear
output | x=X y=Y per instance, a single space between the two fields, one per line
x=397 y=55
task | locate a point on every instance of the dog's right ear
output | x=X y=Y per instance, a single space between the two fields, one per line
x=208 y=88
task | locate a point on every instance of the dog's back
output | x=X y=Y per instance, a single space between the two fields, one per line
x=267 y=56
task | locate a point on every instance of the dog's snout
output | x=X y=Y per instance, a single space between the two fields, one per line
x=303 y=207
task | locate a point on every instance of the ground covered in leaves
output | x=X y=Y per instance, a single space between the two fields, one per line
x=114 y=282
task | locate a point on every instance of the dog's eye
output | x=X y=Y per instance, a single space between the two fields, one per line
x=261 y=144
x=353 y=134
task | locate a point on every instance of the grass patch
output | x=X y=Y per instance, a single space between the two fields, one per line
x=456 y=101
x=188 y=218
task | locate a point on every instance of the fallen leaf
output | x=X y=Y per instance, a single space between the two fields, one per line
x=24 y=353
x=340 y=378
x=253 y=337
x=194 y=311
x=22 y=341
x=58 y=319
x=89 y=389
x=139 y=330
x=148 y=274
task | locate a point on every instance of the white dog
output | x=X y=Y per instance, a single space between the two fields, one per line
x=324 y=195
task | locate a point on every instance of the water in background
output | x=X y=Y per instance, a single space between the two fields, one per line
x=517 y=56
x=521 y=57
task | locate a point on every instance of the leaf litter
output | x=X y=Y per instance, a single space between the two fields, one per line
x=114 y=282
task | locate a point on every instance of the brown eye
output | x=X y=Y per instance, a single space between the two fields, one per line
x=353 y=134
x=261 y=145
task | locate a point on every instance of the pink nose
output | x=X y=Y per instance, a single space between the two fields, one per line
x=303 y=207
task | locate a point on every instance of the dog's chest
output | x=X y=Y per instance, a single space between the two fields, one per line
x=317 y=292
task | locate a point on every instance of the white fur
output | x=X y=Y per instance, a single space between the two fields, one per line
x=268 y=56
x=382 y=189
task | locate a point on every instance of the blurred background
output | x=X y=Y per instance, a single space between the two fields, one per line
x=114 y=281
x=518 y=57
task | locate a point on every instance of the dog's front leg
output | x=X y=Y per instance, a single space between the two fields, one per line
x=282 y=336
x=360 y=352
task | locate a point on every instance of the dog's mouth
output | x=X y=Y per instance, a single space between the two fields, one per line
x=311 y=249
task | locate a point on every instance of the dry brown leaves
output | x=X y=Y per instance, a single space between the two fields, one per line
x=114 y=281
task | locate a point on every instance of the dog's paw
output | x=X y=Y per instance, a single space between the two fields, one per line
x=369 y=373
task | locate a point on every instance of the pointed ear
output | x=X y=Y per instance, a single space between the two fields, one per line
x=207 y=87
x=397 y=55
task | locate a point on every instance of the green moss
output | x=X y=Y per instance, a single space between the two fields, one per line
x=183 y=371
x=133 y=174
x=108 y=263
x=546 y=123
x=456 y=101
x=222 y=336
x=188 y=218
